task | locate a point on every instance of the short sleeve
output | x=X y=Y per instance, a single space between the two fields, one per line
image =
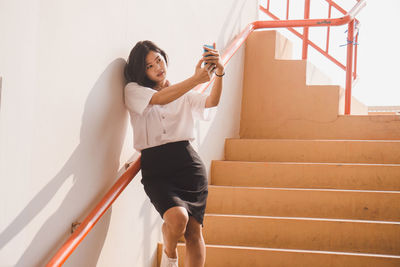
x=197 y=103
x=137 y=97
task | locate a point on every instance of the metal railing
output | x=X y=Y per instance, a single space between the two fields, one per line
x=84 y=228
x=351 y=62
x=94 y=216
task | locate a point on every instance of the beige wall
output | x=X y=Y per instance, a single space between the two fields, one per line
x=64 y=132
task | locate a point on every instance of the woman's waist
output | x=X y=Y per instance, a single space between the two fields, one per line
x=165 y=148
x=167 y=157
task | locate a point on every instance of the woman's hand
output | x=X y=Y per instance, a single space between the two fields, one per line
x=162 y=86
x=201 y=74
x=212 y=58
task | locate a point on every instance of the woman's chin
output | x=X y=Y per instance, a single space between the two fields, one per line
x=162 y=80
x=162 y=83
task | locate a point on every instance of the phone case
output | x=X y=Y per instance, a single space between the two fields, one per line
x=205 y=50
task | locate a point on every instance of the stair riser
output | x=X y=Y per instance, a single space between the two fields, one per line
x=304 y=203
x=333 y=176
x=244 y=257
x=230 y=257
x=381 y=127
x=276 y=46
x=383 y=152
x=276 y=89
x=377 y=238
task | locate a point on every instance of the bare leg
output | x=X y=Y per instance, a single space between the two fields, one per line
x=174 y=226
x=195 y=246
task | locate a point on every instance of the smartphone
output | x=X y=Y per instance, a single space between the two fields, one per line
x=205 y=50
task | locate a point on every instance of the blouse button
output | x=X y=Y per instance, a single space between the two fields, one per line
x=164 y=131
x=163 y=117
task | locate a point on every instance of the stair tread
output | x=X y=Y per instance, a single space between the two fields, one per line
x=296 y=250
x=320 y=175
x=328 y=151
x=304 y=189
x=301 y=218
x=317 y=140
x=307 y=163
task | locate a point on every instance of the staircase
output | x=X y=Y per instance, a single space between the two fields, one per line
x=304 y=185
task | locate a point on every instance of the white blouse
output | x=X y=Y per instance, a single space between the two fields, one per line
x=155 y=125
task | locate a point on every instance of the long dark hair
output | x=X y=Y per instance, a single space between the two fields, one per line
x=135 y=68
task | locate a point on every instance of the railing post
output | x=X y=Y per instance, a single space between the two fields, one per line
x=355 y=55
x=305 y=29
x=349 y=68
x=328 y=30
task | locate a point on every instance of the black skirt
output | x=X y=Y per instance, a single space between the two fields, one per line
x=174 y=175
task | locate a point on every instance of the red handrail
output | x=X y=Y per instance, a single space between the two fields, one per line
x=84 y=228
x=76 y=238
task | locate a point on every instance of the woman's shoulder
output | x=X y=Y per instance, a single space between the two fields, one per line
x=135 y=87
x=132 y=85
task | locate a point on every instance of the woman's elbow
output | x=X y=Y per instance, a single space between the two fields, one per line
x=210 y=103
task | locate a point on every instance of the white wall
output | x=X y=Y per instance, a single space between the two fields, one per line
x=64 y=131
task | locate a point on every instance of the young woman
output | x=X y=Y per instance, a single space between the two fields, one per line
x=162 y=116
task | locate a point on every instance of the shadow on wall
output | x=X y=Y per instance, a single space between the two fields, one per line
x=93 y=164
x=224 y=38
x=225 y=123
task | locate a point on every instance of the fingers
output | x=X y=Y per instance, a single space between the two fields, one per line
x=202 y=73
x=212 y=61
x=209 y=49
x=211 y=69
x=199 y=63
x=211 y=56
x=210 y=52
x=208 y=59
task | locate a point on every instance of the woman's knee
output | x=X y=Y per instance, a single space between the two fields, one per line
x=176 y=218
x=193 y=231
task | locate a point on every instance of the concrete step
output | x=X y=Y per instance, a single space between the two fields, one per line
x=279 y=89
x=322 y=151
x=276 y=46
x=303 y=233
x=276 y=89
x=314 y=203
x=278 y=101
x=240 y=256
x=361 y=127
x=306 y=175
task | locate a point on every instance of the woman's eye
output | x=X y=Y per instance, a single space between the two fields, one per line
x=148 y=67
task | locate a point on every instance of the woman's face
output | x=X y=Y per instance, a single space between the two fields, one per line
x=156 y=69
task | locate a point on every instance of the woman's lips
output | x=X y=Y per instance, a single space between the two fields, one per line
x=161 y=73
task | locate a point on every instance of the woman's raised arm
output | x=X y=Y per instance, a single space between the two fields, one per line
x=170 y=93
x=213 y=58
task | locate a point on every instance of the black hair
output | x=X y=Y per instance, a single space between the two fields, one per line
x=135 y=68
